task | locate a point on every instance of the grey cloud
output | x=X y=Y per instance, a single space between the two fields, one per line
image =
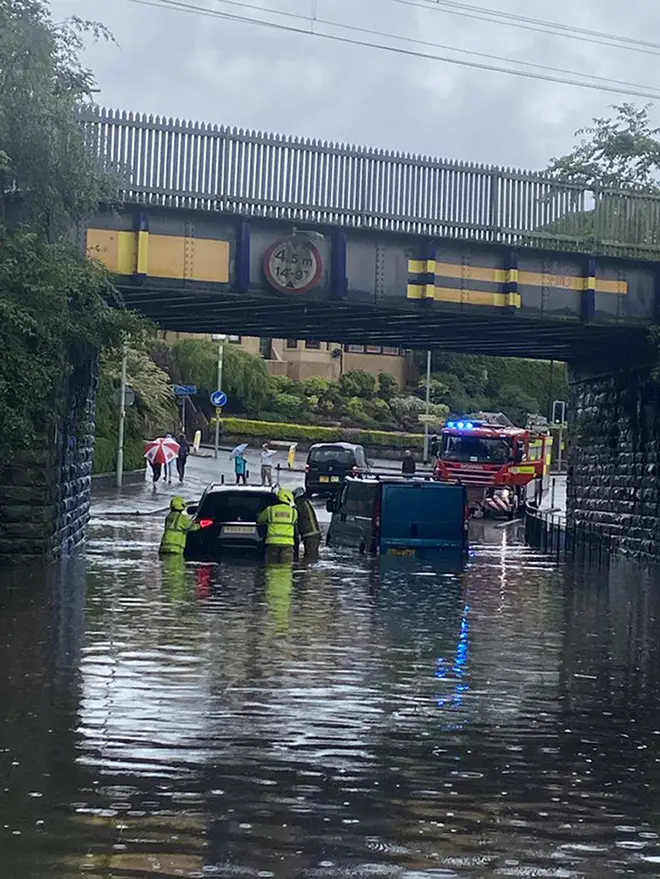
x=177 y=64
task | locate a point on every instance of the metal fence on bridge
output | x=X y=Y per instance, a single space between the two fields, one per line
x=189 y=165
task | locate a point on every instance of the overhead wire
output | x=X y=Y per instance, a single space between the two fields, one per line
x=534 y=24
x=314 y=19
x=604 y=84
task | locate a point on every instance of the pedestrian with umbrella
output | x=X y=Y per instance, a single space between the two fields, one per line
x=159 y=453
x=240 y=463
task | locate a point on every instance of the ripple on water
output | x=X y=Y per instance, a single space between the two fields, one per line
x=351 y=719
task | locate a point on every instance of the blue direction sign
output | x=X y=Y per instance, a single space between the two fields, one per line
x=219 y=399
x=185 y=390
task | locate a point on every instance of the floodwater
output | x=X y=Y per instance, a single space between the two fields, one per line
x=346 y=720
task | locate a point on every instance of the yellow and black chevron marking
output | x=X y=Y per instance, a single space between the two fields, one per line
x=431 y=279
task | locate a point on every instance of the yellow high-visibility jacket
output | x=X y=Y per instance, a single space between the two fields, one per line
x=281 y=521
x=177 y=526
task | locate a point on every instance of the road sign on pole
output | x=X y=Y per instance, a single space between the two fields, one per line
x=219 y=399
x=185 y=390
x=129 y=397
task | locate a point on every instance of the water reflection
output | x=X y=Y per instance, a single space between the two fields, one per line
x=351 y=718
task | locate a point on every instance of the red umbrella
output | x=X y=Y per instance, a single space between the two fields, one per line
x=161 y=450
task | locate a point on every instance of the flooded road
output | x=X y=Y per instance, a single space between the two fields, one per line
x=351 y=719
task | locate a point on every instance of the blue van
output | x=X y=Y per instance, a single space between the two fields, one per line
x=399 y=517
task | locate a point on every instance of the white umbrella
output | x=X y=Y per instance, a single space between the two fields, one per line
x=238 y=450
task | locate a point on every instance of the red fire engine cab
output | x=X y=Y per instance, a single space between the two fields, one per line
x=495 y=460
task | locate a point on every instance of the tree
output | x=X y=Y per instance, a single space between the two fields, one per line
x=55 y=306
x=516 y=404
x=357 y=383
x=614 y=152
x=387 y=386
x=244 y=375
x=43 y=150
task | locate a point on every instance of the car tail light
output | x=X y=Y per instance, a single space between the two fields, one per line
x=206 y=523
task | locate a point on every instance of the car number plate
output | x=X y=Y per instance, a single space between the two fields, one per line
x=324 y=479
x=238 y=529
x=405 y=553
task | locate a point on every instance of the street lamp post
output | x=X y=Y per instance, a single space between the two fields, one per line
x=220 y=339
x=428 y=406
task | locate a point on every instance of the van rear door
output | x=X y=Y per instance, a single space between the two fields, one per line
x=422 y=516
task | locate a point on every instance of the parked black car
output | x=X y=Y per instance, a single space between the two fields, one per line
x=227 y=516
x=328 y=464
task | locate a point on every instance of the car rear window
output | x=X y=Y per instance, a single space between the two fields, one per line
x=235 y=506
x=331 y=455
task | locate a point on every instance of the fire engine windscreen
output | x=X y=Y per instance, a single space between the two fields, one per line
x=475 y=448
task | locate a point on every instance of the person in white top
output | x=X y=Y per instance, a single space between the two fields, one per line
x=266 y=465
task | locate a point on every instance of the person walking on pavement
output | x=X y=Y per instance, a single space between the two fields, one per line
x=308 y=524
x=177 y=525
x=408 y=465
x=156 y=470
x=281 y=534
x=266 y=465
x=182 y=457
x=240 y=468
x=168 y=468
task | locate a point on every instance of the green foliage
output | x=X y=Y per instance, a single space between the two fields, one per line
x=105 y=455
x=387 y=386
x=245 y=429
x=244 y=375
x=614 y=152
x=42 y=84
x=153 y=413
x=288 y=405
x=357 y=383
x=316 y=387
x=516 y=404
x=54 y=311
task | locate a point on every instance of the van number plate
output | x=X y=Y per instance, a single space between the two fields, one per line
x=405 y=553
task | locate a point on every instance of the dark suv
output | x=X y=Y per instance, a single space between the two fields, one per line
x=329 y=463
x=227 y=517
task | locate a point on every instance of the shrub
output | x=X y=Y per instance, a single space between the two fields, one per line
x=357 y=383
x=105 y=455
x=245 y=429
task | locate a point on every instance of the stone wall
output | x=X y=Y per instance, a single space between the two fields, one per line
x=44 y=504
x=614 y=459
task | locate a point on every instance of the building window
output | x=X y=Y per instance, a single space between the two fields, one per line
x=393 y=352
x=266 y=348
x=354 y=349
x=313 y=344
x=292 y=343
x=234 y=340
x=373 y=349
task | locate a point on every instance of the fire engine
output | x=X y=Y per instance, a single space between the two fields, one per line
x=495 y=460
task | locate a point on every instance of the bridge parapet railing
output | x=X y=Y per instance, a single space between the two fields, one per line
x=182 y=164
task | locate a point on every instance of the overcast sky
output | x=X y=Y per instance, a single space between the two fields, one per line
x=175 y=63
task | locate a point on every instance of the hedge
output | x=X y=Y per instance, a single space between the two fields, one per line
x=244 y=428
x=105 y=455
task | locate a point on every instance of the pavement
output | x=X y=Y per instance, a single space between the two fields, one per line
x=555 y=498
x=140 y=499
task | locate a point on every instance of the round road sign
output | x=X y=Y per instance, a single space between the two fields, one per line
x=219 y=399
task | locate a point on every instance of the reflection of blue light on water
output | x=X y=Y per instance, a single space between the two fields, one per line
x=459 y=667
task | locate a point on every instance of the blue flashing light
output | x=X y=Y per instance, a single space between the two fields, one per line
x=469 y=425
x=450 y=424
x=461 y=425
